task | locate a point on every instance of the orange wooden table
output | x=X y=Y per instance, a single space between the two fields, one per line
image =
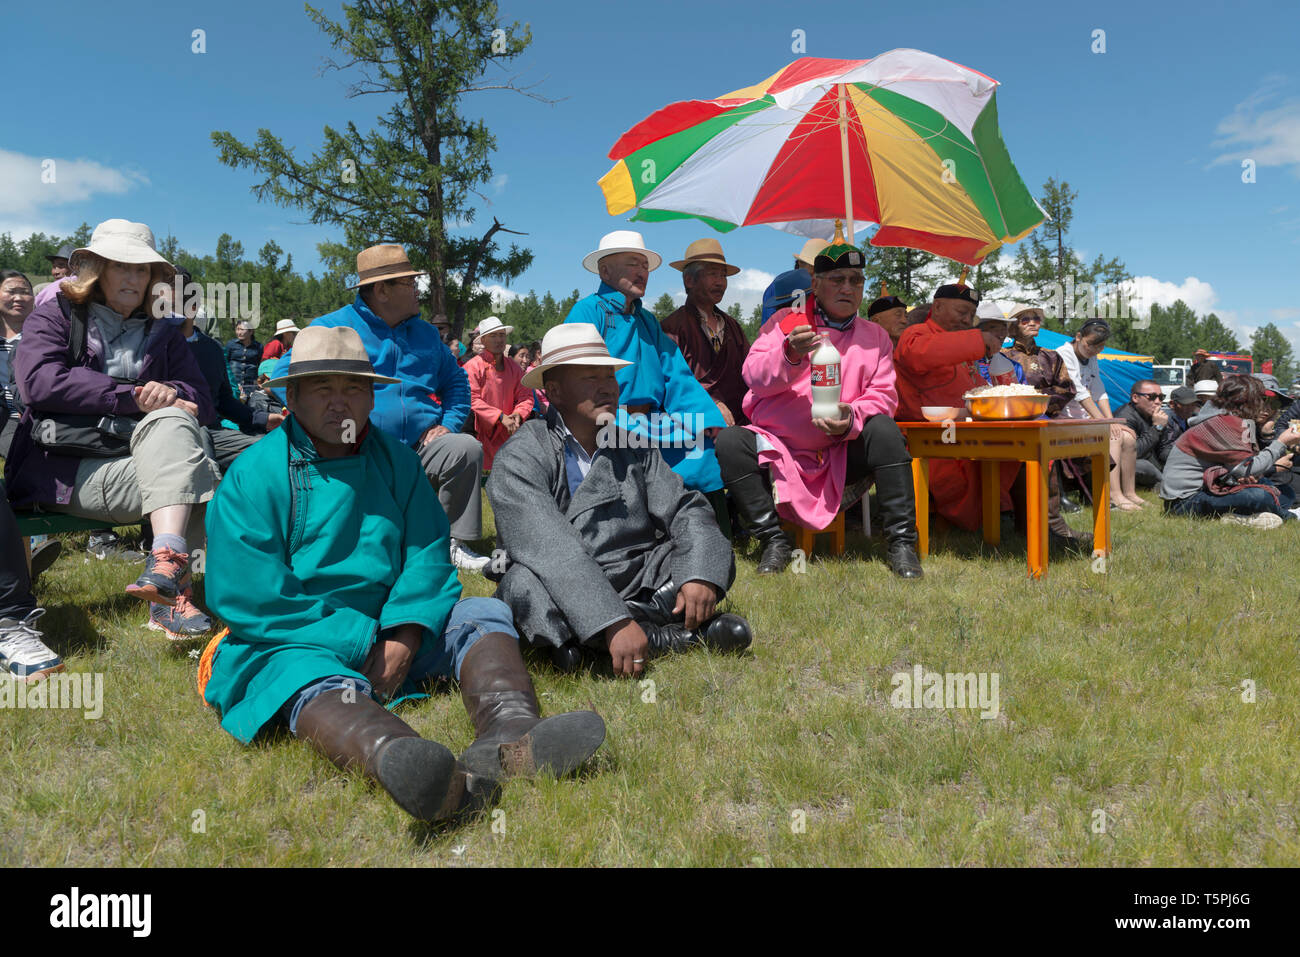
x=1036 y=443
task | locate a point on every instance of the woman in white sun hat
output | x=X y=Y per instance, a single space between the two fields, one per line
x=116 y=404
x=282 y=341
x=498 y=399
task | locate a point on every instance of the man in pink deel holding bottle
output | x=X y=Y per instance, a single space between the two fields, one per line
x=791 y=464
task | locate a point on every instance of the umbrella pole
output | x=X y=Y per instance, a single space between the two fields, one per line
x=844 y=160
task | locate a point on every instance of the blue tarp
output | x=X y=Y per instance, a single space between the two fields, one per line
x=1118 y=375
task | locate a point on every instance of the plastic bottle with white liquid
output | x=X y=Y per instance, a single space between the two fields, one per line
x=826 y=381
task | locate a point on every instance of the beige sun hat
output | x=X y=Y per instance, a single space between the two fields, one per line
x=385 y=261
x=283 y=326
x=492 y=324
x=571 y=344
x=123 y=241
x=620 y=241
x=1019 y=309
x=811 y=249
x=706 y=250
x=329 y=350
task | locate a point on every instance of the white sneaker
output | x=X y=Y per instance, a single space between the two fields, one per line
x=1258 y=520
x=22 y=652
x=466 y=559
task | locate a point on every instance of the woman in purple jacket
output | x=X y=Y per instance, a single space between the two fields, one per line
x=137 y=374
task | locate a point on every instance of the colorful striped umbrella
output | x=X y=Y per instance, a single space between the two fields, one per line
x=907 y=140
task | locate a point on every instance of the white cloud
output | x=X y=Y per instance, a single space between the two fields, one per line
x=1263 y=127
x=1146 y=291
x=500 y=294
x=29 y=185
x=1284 y=314
x=499 y=183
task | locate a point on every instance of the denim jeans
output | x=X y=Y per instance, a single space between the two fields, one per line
x=470 y=620
x=1246 y=501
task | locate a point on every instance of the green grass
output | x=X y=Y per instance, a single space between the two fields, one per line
x=1120 y=692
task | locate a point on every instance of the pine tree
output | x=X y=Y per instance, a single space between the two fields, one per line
x=663 y=307
x=411 y=178
x=1049 y=267
x=1268 y=343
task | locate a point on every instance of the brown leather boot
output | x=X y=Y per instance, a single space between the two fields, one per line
x=511 y=735
x=423 y=777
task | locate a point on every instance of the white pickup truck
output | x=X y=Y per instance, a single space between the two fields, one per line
x=1169 y=377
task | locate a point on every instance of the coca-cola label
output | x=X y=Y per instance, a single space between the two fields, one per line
x=1005 y=378
x=827 y=375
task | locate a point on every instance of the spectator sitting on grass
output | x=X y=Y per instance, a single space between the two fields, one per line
x=1216 y=467
x=610 y=551
x=1145 y=414
x=137 y=372
x=329 y=561
x=1183 y=407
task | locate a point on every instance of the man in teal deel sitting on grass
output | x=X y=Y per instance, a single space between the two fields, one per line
x=328 y=559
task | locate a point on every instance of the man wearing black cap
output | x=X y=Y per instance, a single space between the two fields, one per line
x=809 y=461
x=1183 y=406
x=937 y=365
x=59 y=269
x=890 y=313
x=58 y=261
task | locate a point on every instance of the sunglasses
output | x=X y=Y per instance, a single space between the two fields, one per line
x=1148 y=395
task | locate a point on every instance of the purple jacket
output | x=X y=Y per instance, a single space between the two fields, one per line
x=47 y=384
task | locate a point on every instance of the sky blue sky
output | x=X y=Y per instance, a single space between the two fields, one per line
x=1151 y=133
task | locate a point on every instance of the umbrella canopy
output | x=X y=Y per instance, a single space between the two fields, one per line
x=907 y=140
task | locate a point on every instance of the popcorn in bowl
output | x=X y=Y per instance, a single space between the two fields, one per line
x=998 y=391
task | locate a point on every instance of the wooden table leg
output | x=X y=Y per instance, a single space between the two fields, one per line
x=991 y=496
x=921 y=492
x=1036 y=516
x=1101 y=504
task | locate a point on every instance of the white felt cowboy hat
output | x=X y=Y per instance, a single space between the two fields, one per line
x=329 y=350
x=122 y=241
x=571 y=344
x=492 y=324
x=620 y=241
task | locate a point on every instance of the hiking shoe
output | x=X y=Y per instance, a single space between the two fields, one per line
x=44 y=555
x=22 y=652
x=1258 y=520
x=104 y=545
x=180 y=622
x=160 y=582
x=466 y=559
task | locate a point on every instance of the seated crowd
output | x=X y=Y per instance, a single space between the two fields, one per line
x=335 y=477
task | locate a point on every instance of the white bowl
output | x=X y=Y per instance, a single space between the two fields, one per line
x=941 y=413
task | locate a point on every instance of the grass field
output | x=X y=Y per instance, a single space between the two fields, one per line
x=1122 y=736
